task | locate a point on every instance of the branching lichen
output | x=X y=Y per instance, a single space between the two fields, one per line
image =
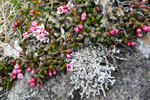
x=92 y=71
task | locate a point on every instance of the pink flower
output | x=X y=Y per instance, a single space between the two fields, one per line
x=14 y=76
x=140 y=35
x=83 y=17
x=13 y=26
x=128 y=43
x=29 y=69
x=34 y=23
x=132 y=43
x=32 y=11
x=14 y=72
x=77 y=30
x=16 y=24
x=80 y=26
x=16 y=66
x=32 y=72
x=65 y=11
x=32 y=29
x=32 y=80
x=19 y=71
x=116 y=31
x=145 y=28
x=50 y=73
x=60 y=10
x=65 y=7
x=13 y=61
x=70 y=66
x=25 y=34
x=38 y=84
x=112 y=32
x=69 y=50
x=32 y=84
x=54 y=72
x=68 y=55
x=138 y=30
x=11 y=74
x=20 y=76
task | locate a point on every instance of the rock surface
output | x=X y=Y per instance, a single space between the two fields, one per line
x=132 y=75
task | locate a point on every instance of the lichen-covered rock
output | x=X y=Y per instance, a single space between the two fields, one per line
x=132 y=82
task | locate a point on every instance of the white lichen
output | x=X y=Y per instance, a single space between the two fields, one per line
x=92 y=71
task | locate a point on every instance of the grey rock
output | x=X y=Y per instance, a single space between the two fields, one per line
x=132 y=75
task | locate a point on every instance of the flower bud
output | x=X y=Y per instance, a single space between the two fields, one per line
x=80 y=26
x=13 y=61
x=38 y=84
x=16 y=24
x=65 y=11
x=32 y=72
x=11 y=74
x=68 y=55
x=128 y=43
x=19 y=71
x=32 y=84
x=69 y=50
x=145 y=28
x=138 y=30
x=14 y=76
x=54 y=72
x=112 y=32
x=116 y=31
x=13 y=26
x=32 y=80
x=77 y=30
x=132 y=43
x=32 y=11
x=50 y=73
x=14 y=72
x=25 y=34
x=29 y=69
x=140 y=35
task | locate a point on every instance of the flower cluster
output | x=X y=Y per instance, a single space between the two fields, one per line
x=33 y=82
x=139 y=30
x=17 y=72
x=64 y=8
x=68 y=53
x=39 y=32
x=52 y=72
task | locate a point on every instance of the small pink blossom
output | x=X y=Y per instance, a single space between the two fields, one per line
x=60 y=10
x=19 y=71
x=69 y=51
x=16 y=24
x=140 y=35
x=32 y=29
x=32 y=72
x=25 y=34
x=116 y=31
x=70 y=66
x=128 y=43
x=132 y=43
x=16 y=66
x=14 y=76
x=14 y=71
x=80 y=26
x=32 y=11
x=112 y=32
x=65 y=7
x=83 y=17
x=38 y=84
x=138 y=30
x=77 y=30
x=13 y=61
x=50 y=73
x=68 y=55
x=34 y=23
x=20 y=76
x=54 y=72
x=32 y=84
x=29 y=69
x=145 y=28
x=11 y=74
x=65 y=11
x=13 y=26
x=32 y=80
